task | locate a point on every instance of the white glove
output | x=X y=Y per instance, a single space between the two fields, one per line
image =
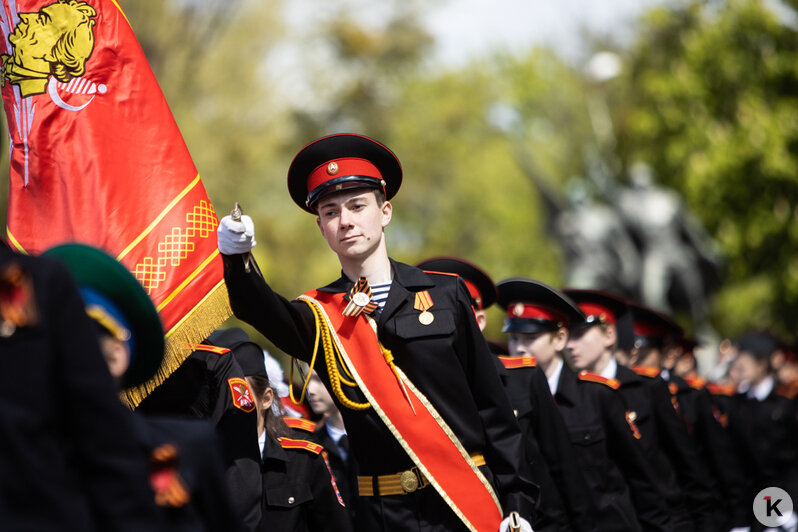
x=525 y=526
x=234 y=238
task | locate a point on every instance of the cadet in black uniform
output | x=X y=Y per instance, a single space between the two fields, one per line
x=299 y=493
x=607 y=451
x=68 y=451
x=664 y=436
x=653 y=332
x=186 y=472
x=713 y=444
x=330 y=432
x=210 y=385
x=564 y=502
x=428 y=381
x=525 y=378
x=762 y=423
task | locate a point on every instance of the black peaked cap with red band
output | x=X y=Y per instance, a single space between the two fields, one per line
x=652 y=328
x=598 y=306
x=479 y=284
x=338 y=162
x=534 y=307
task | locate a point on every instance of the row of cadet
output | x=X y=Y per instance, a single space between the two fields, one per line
x=206 y=451
x=621 y=431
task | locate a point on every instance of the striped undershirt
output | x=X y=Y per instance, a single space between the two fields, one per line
x=379 y=293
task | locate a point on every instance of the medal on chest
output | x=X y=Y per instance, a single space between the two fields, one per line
x=423 y=303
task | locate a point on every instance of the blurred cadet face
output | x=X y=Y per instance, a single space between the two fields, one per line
x=788 y=372
x=647 y=358
x=749 y=369
x=543 y=346
x=319 y=398
x=586 y=345
x=116 y=353
x=482 y=318
x=685 y=365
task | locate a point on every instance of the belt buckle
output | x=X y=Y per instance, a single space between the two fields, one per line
x=409 y=480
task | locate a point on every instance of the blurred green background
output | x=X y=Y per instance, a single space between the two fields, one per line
x=705 y=92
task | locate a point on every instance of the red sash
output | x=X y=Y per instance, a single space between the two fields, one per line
x=424 y=435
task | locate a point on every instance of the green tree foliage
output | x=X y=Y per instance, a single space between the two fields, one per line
x=710 y=99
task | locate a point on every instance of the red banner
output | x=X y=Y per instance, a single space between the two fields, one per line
x=96 y=157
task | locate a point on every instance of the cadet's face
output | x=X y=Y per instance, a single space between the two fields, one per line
x=318 y=396
x=749 y=369
x=116 y=353
x=684 y=365
x=651 y=358
x=544 y=346
x=353 y=222
x=585 y=346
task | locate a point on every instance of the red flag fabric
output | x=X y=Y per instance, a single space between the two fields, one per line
x=97 y=158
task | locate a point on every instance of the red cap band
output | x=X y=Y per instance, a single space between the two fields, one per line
x=525 y=310
x=601 y=312
x=474 y=291
x=648 y=330
x=341 y=167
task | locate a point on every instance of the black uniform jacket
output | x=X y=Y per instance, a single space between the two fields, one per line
x=620 y=479
x=69 y=457
x=715 y=449
x=447 y=360
x=648 y=400
x=765 y=434
x=565 y=502
x=344 y=469
x=200 y=388
x=298 y=494
x=671 y=449
x=205 y=505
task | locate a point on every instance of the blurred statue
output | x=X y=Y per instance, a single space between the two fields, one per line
x=599 y=252
x=681 y=266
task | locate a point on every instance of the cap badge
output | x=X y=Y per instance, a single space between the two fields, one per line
x=332 y=168
x=518 y=309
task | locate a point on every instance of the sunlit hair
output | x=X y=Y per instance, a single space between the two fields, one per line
x=75 y=46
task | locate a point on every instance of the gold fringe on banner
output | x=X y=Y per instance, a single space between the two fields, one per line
x=212 y=311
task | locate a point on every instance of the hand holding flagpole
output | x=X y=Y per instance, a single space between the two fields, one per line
x=235 y=214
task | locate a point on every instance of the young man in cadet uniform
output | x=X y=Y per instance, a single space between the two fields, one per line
x=564 y=504
x=619 y=480
x=433 y=434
